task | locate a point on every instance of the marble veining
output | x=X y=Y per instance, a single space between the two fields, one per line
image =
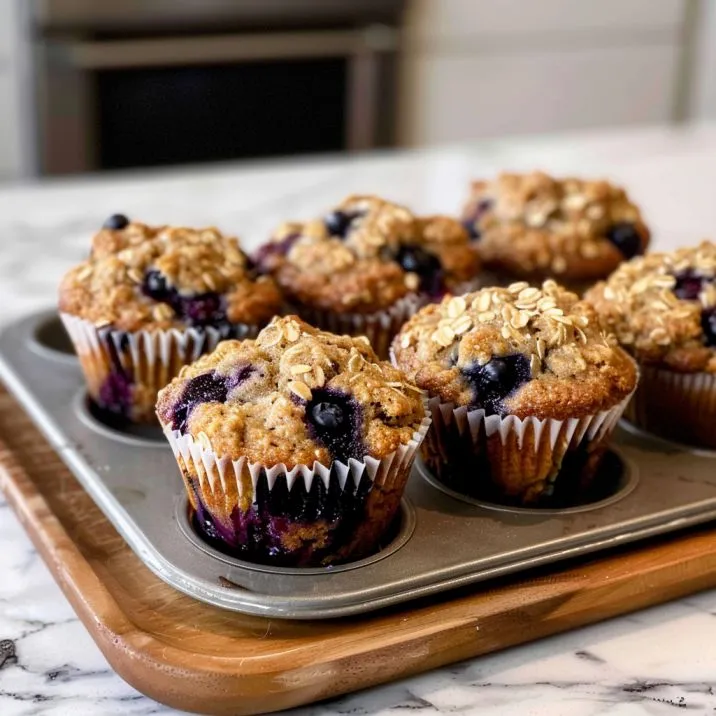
x=657 y=661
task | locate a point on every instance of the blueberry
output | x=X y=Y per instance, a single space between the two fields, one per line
x=239 y=376
x=415 y=259
x=327 y=415
x=262 y=257
x=495 y=380
x=688 y=285
x=116 y=222
x=708 y=324
x=338 y=223
x=198 y=310
x=115 y=393
x=334 y=421
x=205 y=388
x=470 y=221
x=155 y=286
x=203 y=309
x=626 y=238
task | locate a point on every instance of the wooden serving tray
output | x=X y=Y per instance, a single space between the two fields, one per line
x=196 y=657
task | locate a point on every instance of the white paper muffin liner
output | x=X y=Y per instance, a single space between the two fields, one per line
x=677 y=406
x=229 y=492
x=518 y=458
x=378 y=327
x=147 y=360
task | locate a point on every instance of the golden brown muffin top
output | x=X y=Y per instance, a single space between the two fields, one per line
x=144 y=277
x=366 y=254
x=662 y=308
x=519 y=350
x=533 y=225
x=295 y=395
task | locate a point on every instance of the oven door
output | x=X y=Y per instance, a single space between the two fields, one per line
x=174 y=99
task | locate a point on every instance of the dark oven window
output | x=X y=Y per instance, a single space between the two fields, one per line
x=197 y=114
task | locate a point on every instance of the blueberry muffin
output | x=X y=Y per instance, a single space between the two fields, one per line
x=149 y=300
x=366 y=266
x=525 y=390
x=533 y=226
x=294 y=447
x=662 y=308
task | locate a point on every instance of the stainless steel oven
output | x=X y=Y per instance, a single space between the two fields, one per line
x=131 y=83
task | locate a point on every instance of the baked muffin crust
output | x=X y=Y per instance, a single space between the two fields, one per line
x=143 y=277
x=533 y=225
x=662 y=308
x=295 y=395
x=519 y=350
x=366 y=254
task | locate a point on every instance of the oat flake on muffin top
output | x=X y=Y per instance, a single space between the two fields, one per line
x=662 y=308
x=531 y=225
x=143 y=277
x=518 y=350
x=366 y=254
x=295 y=395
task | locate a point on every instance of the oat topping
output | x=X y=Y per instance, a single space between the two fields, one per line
x=535 y=225
x=366 y=254
x=138 y=276
x=294 y=395
x=662 y=307
x=527 y=340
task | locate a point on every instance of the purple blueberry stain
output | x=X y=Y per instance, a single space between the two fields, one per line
x=470 y=221
x=204 y=388
x=689 y=285
x=261 y=259
x=258 y=533
x=338 y=223
x=334 y=421
x=496 y=380
x=115 y=393
x=625 y=237
x=415 y=259
x=116 y=222
x=197 y=310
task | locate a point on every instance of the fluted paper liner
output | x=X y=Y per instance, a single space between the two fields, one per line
x=145 y=360
x=378 y=327
x=231 y=493
x=676 y=406
x=520 y=459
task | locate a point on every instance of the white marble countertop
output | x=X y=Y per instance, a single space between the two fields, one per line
x=653 y=662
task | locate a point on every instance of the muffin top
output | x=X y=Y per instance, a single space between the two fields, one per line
x=142 y=277
x=662 y=308
x=295 y=395
x=366 y=254
x=518 y=350
x=533 y=225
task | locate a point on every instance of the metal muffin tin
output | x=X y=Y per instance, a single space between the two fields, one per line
x=443 y=541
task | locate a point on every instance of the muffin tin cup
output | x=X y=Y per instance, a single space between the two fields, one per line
x=379 y=327
x=678 y=406
x=512 y=460
x=125 y=370
x=306 y=516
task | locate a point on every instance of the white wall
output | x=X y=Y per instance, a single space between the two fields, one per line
x=702 y=105
x=478 y=68
x=12 y=46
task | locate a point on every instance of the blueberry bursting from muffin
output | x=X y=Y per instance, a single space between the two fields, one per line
x=296 y=398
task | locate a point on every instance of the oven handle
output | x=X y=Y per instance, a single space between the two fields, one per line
x=211 y=49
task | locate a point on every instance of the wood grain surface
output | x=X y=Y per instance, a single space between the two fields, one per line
x=192 y=656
